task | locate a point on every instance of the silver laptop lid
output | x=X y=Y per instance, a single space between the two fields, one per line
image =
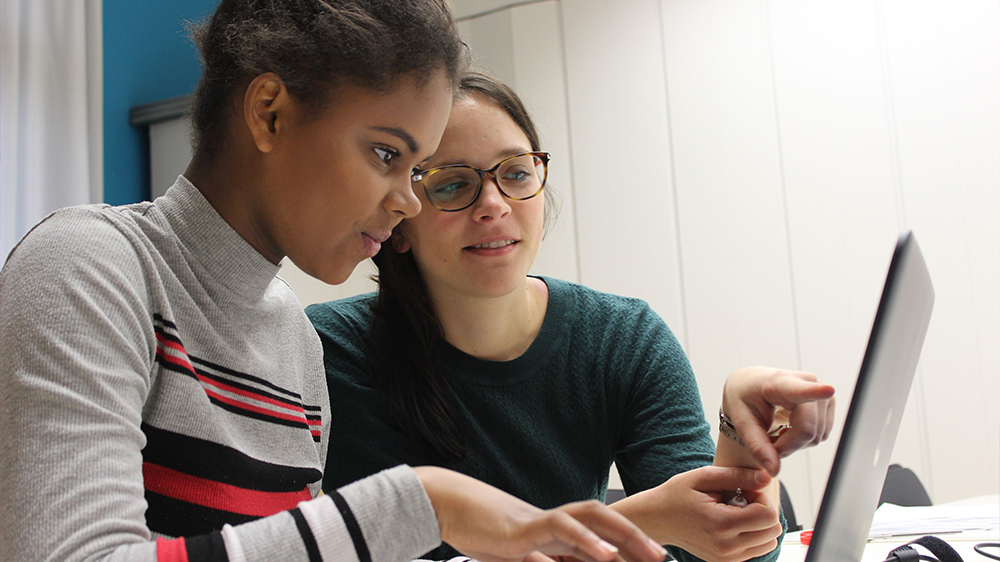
x=859 y=468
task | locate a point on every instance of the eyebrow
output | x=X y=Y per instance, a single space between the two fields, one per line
x=411 y=143
x=500 y=155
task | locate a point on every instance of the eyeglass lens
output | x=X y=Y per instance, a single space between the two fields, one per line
x=456 y=187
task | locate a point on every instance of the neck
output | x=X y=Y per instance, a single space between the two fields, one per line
x=227 y=181
x=494 y=328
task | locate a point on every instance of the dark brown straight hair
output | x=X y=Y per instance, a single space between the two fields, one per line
x=406 y=335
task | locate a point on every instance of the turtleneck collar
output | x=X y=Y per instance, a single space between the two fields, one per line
x=214 y=245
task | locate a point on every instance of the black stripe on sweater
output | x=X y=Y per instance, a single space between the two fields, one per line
x=220 y=463
x=360 y=546
x=176 y=518
x=245 y=376
x=169 y=330
x=308 y=539
x=259 y=416
x=206 y=548
x=243 y=411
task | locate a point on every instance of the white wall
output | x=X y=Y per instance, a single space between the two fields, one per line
x=746 y=165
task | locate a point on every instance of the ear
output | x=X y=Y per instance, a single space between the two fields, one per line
x=266 y=107
x=399 y=242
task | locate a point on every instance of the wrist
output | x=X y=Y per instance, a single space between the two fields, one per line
x=727 y=429
x=645 y=510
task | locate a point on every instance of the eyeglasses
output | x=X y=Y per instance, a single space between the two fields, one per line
x=456 y=187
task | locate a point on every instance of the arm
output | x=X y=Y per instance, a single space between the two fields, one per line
x=490 y=525
x=665 y=449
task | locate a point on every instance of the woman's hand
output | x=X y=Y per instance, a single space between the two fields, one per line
x=488 y=524
x=689 y=511
x=757 y=398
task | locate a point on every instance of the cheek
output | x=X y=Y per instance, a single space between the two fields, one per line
x=535 y=218
x=433 y=239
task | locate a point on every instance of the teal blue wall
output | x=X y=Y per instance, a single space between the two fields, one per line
x=148 y=57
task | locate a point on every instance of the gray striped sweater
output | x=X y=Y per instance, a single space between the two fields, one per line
x=162 y=398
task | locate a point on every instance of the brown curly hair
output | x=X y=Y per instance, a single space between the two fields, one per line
x=315 y=46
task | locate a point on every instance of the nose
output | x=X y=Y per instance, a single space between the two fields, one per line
x=491 y=203
x=401 y=201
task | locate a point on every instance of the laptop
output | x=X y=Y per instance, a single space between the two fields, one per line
x=862 y=459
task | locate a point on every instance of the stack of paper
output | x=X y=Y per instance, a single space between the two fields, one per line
x=892 y=520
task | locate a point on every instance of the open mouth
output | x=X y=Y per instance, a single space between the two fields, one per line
x=493 y=245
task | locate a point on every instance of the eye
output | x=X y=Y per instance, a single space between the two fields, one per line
x=517 y=174
x=449 y=189
x=385 y=155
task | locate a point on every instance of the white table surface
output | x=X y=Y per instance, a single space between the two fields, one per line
x=876 y=550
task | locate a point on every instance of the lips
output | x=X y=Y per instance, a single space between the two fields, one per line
x=493 y=245
x=372 y=241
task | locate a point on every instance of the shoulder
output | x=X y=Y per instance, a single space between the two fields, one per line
x=342 y=325
x=78 y=245
x=350 y=314
x=619 y=328
x=597 y=307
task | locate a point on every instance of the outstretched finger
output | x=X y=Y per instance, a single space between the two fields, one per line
x=791 y=391
x=575 y=539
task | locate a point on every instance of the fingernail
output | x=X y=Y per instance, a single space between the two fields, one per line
x=608 y=547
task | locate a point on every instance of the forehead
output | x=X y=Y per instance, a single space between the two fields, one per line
x=478 y=133
x=415 y=106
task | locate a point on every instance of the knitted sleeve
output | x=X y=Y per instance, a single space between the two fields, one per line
x=76 y=350
x=664 y=431
x=663 y=427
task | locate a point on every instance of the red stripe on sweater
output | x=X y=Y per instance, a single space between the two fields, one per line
x=252 y=395
x=216 y=495
x=253 y=408
x=173 y=550
x=183 y=362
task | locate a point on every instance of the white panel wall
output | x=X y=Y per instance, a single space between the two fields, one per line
x=835 y=151
x=746 y=165
x=731 y=209
x=619 y=134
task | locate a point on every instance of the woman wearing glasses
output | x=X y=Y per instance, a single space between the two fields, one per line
x=536 y=385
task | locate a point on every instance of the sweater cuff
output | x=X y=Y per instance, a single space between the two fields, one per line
x=394 y=513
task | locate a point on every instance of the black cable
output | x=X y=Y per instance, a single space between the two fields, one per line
x=907 y=553
x=983 y=545
x=938 y=547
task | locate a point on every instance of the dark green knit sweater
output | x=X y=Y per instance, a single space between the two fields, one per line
x=605 y=380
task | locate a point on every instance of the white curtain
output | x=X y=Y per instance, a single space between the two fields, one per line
x=48 y=157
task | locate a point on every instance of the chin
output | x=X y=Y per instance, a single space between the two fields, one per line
x=500 y=285
x=334 y=274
